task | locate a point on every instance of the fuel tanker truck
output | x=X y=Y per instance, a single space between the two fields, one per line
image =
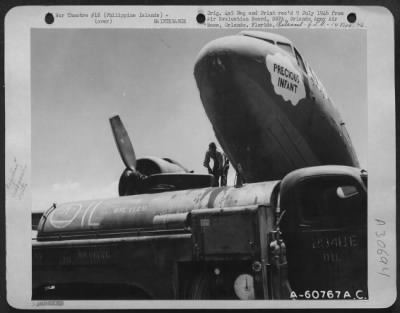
x=302 y=237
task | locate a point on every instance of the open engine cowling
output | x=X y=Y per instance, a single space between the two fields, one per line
x=157 y=175
x=153 y=165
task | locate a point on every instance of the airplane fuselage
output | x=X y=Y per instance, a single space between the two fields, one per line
x=268 y=109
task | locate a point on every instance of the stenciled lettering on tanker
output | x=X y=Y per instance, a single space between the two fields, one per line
x=285 y=78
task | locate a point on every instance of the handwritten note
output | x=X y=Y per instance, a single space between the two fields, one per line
x=16 y=181
x=381 y=248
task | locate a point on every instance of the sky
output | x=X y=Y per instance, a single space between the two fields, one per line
x=82 y=77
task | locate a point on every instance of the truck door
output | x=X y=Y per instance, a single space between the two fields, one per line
x=325 y=231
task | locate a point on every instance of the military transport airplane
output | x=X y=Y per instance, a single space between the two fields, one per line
x=269 y=111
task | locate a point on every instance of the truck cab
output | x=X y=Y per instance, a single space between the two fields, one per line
x=325 y=230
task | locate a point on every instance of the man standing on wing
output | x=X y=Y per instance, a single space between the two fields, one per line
x=218 y=164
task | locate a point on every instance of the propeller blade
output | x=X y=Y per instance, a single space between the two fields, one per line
x=123 y=142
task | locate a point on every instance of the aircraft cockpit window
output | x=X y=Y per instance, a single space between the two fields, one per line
x=265 y=39
x=269 y=40
x=300 y=60
x=285 y=46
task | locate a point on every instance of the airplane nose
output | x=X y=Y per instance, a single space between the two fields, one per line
x=227 y=69
x=237 y=87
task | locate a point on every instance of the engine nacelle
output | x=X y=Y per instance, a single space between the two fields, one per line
x=153 y=165
x=158 y=175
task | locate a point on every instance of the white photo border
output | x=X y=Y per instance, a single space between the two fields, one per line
x=379 y=25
